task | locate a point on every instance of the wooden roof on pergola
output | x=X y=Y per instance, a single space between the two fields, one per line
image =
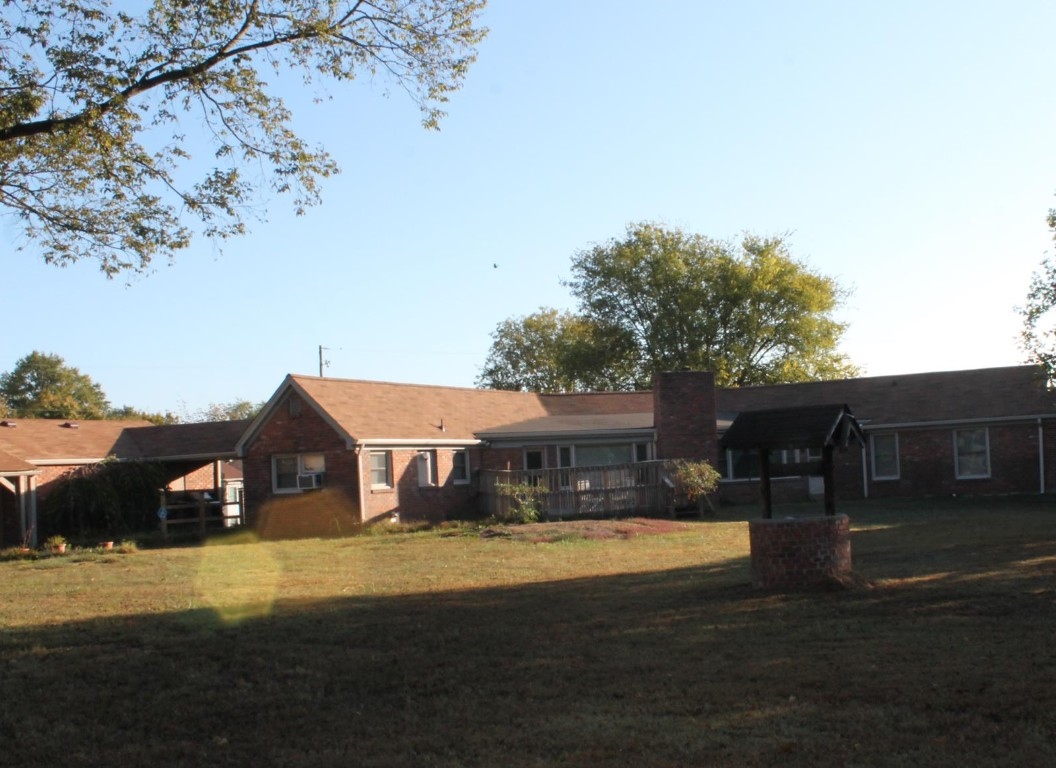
x=813 y=426
x=810 y=426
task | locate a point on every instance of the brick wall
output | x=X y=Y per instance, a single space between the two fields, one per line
x=294 y=430
x=799 y=552
x=502 y=458
x=684 y=416
x=408 y=499
x=197 y=479
x=927 y=466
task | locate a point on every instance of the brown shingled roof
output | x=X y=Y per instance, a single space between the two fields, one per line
x=373 y=410
x=215 y=439
x=984 y=393
x=58 y=441
x=12 y=465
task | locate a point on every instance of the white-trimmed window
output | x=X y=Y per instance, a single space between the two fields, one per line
x=426 y=468
x=565 y=460
x=564 y=456
x=381 y=469
x=460 y=466
x=534 y=458
x=297 y=472
x=884 y=452
x=604 y=454
x=971 y=453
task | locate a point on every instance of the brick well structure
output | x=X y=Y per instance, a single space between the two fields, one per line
x=799 y=552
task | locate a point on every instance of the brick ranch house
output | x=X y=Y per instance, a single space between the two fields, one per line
x=385 y=450
x=36 y=454
x=372 y=451
x=974 y=432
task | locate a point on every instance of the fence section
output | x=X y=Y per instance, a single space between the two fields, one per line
x=198 y=511
x=618 y=490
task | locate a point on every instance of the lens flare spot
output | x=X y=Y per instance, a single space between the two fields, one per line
x=238 y=577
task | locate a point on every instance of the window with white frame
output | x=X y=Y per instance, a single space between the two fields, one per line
x=297 y=472
x=971 y=453
x=534 y=458
x=884 y=454
x=602 y=455
x=460 y=466
x=426 y=468
x=741 y=464
x=381 y=469
x=565 y=458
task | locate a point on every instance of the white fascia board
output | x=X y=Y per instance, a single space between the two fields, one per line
x=18 y=473
x=1024 y=419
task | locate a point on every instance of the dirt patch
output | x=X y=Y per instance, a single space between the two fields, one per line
x=585 y=529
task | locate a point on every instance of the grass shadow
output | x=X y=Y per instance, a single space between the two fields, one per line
x=672 y=667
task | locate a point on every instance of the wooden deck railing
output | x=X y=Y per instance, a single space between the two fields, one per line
x=619 y=490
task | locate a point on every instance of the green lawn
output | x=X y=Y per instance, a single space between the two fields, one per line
x=446 y=648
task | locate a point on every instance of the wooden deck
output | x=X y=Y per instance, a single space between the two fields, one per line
x=618 y=490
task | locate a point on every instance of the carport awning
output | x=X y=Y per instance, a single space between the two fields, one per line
x=814 y=426
x=12 y=466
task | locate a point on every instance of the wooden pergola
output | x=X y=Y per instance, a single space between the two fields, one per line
x=19 y=477
x=815 y=426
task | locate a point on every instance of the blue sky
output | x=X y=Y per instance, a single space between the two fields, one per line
x=906 y=146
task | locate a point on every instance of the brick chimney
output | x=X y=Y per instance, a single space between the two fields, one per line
x=684 y=416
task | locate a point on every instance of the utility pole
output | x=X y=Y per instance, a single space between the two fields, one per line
x=323 y=362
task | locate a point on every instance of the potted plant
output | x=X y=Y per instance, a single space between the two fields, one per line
x=56 y=544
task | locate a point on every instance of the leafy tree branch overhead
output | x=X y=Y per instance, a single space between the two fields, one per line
x=94 y=101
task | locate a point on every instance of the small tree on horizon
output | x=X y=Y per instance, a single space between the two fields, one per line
x=42 y=386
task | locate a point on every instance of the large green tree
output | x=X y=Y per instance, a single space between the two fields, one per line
x=95 y=105
x=43 y=386
x=1038 y=337
x=662 y=299
x=552 y=351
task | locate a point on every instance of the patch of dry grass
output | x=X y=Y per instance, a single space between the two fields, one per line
x=446 y=649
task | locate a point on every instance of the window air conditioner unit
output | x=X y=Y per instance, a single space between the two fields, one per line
x=305 y=482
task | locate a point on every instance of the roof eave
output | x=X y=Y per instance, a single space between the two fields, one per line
x=592 y=434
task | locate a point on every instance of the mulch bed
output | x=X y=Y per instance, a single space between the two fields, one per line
x=627 y=528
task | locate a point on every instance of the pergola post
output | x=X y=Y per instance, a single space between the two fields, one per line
x=829 y=476
x=764 y=483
